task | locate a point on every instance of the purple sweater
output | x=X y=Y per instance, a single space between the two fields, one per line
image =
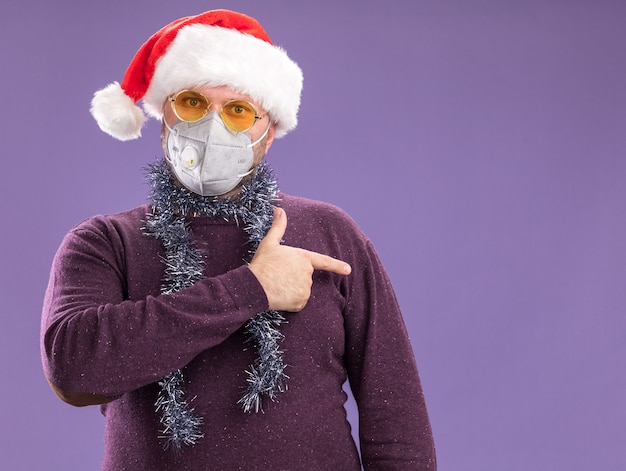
x=107 y=330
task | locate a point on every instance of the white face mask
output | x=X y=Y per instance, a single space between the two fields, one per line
x=208 y=158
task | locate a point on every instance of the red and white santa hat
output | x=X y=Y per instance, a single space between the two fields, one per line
x=215 y=48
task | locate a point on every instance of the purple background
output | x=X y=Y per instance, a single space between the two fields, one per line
x=480 y=144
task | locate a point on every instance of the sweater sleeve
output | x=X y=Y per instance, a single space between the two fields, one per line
x=394 y=427
x=96 y=341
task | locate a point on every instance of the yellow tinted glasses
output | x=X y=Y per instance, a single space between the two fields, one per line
x=190 y=106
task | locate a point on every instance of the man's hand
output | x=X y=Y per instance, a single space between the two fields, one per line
x=285 y=273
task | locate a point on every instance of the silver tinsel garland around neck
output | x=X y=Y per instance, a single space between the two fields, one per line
x=253 y=211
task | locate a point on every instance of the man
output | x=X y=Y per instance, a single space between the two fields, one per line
x=178 y=317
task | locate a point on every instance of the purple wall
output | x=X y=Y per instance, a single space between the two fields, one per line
x=480 y=144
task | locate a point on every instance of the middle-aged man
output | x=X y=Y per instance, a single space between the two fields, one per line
x=177 y=317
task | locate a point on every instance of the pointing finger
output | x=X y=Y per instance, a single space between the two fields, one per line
x=326 y=263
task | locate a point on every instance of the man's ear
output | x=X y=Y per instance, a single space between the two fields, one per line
x=270 y=136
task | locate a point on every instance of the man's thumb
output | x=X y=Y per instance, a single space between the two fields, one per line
x=279 y=225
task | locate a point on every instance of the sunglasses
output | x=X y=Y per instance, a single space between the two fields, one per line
x=190 y=106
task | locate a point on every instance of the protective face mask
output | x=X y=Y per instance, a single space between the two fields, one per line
x=208 y=158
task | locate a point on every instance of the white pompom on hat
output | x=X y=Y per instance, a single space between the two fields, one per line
x=215 y=48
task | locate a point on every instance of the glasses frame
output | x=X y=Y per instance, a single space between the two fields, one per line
x=172 y=100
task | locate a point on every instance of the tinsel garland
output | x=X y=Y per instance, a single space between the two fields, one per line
x=253 y=210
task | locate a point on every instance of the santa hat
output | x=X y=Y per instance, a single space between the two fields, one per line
x=215 y=48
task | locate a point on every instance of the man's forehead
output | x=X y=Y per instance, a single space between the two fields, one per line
x=221 y=92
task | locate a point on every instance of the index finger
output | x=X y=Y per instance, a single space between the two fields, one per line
x=324 y=262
